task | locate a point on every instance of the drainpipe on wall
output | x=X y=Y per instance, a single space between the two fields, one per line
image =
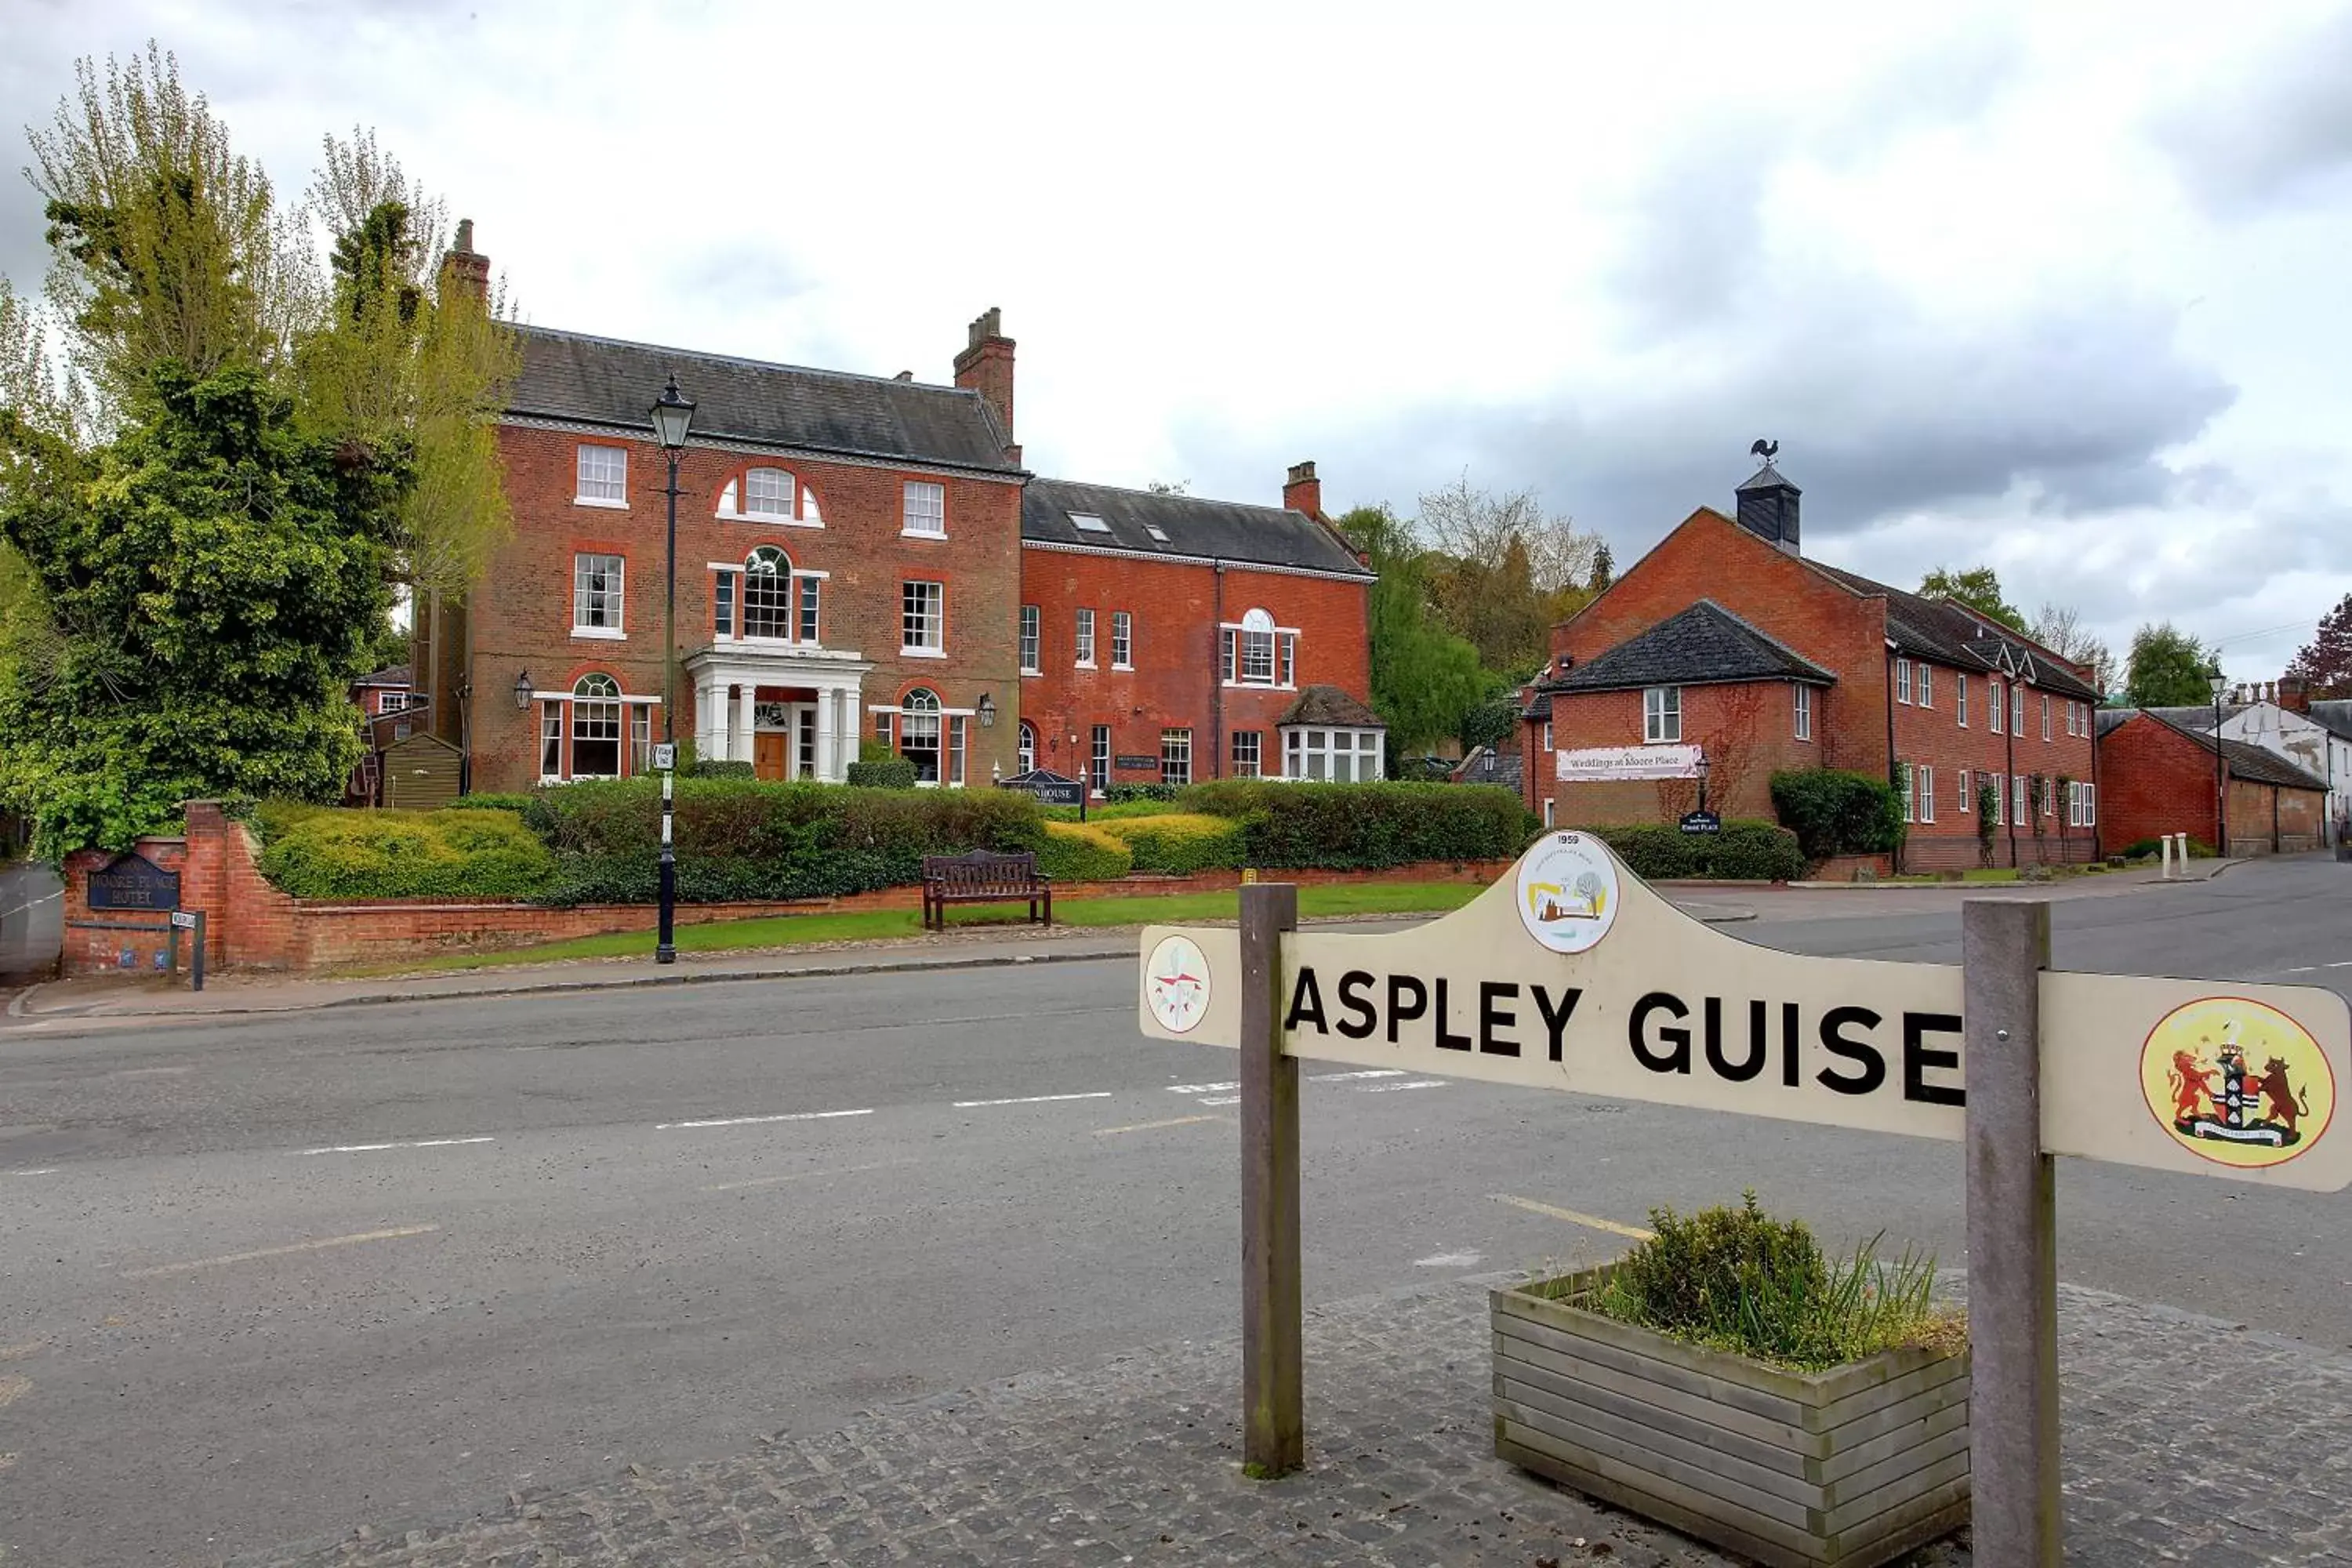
x=1217 y=691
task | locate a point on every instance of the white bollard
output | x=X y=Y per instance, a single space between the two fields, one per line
x=2181 y=851
x=2164 y=850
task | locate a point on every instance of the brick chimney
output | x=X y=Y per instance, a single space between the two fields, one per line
x=465 y=269
x=1302 y=491
x=2294 y=694
x=986 y=366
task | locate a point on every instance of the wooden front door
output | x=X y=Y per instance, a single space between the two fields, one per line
x=768 y=756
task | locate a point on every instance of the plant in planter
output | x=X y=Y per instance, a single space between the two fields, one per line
x=1729 y=1379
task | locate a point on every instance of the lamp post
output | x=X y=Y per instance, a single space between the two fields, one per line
x=1701 y=770
x=2220 y=770
x=671 y=415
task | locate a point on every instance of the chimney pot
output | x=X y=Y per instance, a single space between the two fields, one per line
x=1302 y=491
x=986 y=366
x=464 y=269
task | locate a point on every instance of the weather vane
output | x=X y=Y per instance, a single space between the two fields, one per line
x=1767 y=450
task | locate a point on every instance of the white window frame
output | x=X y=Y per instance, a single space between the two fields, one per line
x=1032 y=625
x=773 y=576
x=1960 y=700
x=2049 y=796
x=614 y=594
x=1804 y=703
x=1099 y=759
x=1122 y=641
x=2090 y=805
x=2045 y=716
x=1250 y=758
x=923 y=510
x=1994 y=705
x=1024 y=754
x=1662 y=715
x=1968 y=807
x=2073 y=800
x=593 y=483
x=1548 y=811
x=603 y=708
x=923 y=626
x=2022 y=807
x=1314 y=752
x=783 y=509
x=1906 y=781
x=920 y=722
x=808 y=608
x=1176 y=756
x=1084 y=630
x=1926 y=775
x=2016 y=709
x=1903 y=681
x=1547 y=733
x=1924 y=679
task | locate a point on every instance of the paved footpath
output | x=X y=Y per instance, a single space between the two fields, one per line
x=2188 y=1440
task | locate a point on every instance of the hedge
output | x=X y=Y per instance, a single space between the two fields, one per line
x=1364 y=827
x=1081 y=852
x=1127 y=793
x=1742 y=851
x=1834 y=812
x=1180 y=842
x=456 y=853
x=897 y=773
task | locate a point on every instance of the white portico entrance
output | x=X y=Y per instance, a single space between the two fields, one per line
x=789 y=710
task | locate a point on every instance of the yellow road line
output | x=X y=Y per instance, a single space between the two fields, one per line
x=1594 y=1222
x=804 y=1175
x=1149 y=1126
x=321 y=1244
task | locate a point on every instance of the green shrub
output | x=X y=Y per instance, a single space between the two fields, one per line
x=1362 y=826
x=894 y=772
x=455 y=853
x=1081 y=852
x=1834 y=812
x=1738 y=1280
x=520 y=803
x=1180 y=842
x=1127 y=793
x=1112 y=813
x=272 y=819
x=722 y=768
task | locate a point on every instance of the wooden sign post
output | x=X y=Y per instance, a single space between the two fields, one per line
x=1569 y=973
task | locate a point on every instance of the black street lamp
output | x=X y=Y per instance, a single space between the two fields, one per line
x=2220 y=771
x=671 y=416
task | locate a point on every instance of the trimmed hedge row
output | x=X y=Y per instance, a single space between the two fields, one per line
x=454 y=854
x=1181 y=842
x=1742 y=851
x=1082 y=852
x=1834 y=812
x=1365 y=826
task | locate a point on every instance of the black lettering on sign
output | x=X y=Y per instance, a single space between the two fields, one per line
x=1760 y=1043
x=1872 y=1066
x=1556 y=1018
x=1305 y=1003
x=1679 y=1059
x=1399 y=984
x=1352 y=986
x=1790 y=1020
x=1917 y=1059
x=1446 y=1040
x=1493 y=1018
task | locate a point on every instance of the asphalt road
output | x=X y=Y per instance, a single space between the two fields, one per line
x=271 y=1279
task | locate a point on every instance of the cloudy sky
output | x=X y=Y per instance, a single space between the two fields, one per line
x=2059 y=288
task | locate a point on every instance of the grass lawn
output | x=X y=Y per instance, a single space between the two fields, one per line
x=792 y=931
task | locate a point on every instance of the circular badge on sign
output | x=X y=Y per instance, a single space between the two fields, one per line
x=1568 y=892
x=1176 y=983
x=2237 y=1082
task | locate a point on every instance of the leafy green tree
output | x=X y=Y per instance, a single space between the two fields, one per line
x=1977 y=587
x=1500 y=571
x=1425 y=678
x=1604 y=568
x=2326 y=661
x=2167 y=668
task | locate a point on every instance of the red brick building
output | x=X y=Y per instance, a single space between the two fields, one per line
x=2162 y=777
x=1725 y=639
x=866 y=558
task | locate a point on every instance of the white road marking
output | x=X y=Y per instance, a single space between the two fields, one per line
x=1351 y=1077
x=1030 y=1100
x=2300 y=969
x=1223 y=1099
x=1594 y=1222
x=378 y=1147
x=803 y=1176
x=43 y=1171
x=1151 y=1126
x=1450 y=1261
x=288 y=1251
x=1203 y=1087
x=1410 y=1083
x=756 y=1120
x=2346 y=963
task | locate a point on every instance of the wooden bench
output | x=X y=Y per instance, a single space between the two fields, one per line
x=984 y=877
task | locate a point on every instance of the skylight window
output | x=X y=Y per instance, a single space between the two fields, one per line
x=1087 y=522
x=1156 y=531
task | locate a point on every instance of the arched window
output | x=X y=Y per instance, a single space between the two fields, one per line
x=596 y=727
x=918 y=736
x=767 y=593
x=1028 y=747
x=770 y=495
x=1257 y=648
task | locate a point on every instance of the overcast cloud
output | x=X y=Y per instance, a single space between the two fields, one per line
x=2058 y=288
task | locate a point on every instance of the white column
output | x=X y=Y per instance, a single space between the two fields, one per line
x=711 y=731
x=745 y=718
x=826 y=767
x=702 y=714
x=848 y=725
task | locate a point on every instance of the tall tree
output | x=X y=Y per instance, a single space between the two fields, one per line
x=1604 y=568
x=1977 y=587
x=2167 y=668
x=1425 y=678
x=2059 y=628
x=2326 y=661
x=1502 y=571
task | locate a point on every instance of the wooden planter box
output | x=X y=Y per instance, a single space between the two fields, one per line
x=1844 y=1468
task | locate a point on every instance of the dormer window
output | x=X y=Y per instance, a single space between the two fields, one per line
x=1087 y=522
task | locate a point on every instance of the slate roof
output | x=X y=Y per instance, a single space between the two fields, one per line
x=2335 y=715
x=393 y=676
x=1330 y=705
x=2250 y=762
x=1704 y=645
x=1207 y=530
x=1487 y=766
x=1954 y=635
x=570 y=375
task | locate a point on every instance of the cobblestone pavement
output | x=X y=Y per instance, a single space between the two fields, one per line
x=2188 y=1440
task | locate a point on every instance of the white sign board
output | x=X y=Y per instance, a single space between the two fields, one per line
x=1600 y=765
x=1571 y=974
x=185 y=919
x=665 y=757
